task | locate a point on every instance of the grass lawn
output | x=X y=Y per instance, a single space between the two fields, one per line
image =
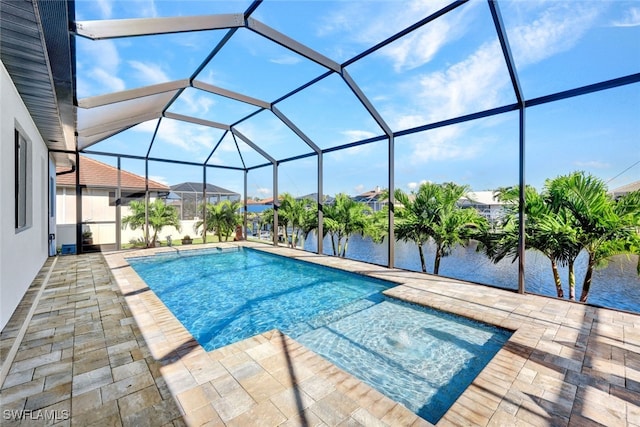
x=178 y=242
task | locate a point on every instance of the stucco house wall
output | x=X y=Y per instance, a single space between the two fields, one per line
x=23 y=252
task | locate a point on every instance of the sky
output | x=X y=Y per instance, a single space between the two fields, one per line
x=450 y=67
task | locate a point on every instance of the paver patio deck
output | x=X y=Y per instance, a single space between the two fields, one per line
x=100 y=348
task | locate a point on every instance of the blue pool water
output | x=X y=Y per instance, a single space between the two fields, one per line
x=420 y=357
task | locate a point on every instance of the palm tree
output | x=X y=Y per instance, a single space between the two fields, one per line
x=344 y=218
x=159 y=214
x=549 y=230
x=410 y=223
x=291 y=214
x=604 y=227
x=432 y=213
x=267 y=218
x=573 y=213
x=221 y=218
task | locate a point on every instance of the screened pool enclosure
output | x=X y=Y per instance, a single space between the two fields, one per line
x=273 y=97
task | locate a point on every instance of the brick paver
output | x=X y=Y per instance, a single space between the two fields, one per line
x=101 y=348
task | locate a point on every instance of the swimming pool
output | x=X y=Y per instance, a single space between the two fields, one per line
x=420 y=357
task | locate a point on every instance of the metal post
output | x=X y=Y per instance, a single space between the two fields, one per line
x=244 y=222
x=78 y=207
x=320 y=204
x=521 y=203
x=391 y=235
x=204 y=204
x=276 y=205
x=517 y=88
x=119 y=208
x=146 y=202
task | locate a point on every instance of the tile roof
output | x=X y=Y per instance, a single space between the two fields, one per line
x=97 y=174
x=633 y=186
x=196 y=187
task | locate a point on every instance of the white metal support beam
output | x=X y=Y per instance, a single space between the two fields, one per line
x=291 y=44
x=230 y=94
x=295 y=129
x=365 y=102
x=196 y=121
x=118 y=125
x=251 y=144
x=127 y=95
x=114 y=28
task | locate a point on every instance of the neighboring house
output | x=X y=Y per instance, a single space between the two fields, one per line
x=328 y=200
x=187 y=198
x=259 y=206
x=373 y=199
x=485 y=203
x=625 y=189
x=99 y=182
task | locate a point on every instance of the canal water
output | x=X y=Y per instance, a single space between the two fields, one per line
x=616 y=286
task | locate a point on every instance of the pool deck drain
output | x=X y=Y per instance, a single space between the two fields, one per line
x=102 y=349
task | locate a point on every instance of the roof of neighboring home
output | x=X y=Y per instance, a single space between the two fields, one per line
x=633 y=186
x=97 y=174
x=267 y=201
x=482 y=198
x=370 y=195
x=196 y=187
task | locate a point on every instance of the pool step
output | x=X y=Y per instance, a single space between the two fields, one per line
x=324 y=319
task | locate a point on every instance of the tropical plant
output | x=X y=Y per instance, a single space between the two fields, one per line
x=549 y=230
x=605 y=227
x=344 y=218
x=291 y=213
x=220 y=218
x=267 y=218
x=432 y=213
x=571 y=214
x=159 y=214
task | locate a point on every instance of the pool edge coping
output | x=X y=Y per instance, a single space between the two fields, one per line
x=531 y=353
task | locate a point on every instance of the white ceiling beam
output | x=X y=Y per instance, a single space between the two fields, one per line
x=127 y=95
x=277 y=37
x=230 y=94
x=295 y=129
x=253 y=145
x=117 y=125
x=114 y=28
x=196 y=121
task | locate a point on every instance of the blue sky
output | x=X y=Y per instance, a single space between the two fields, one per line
x=450 y=67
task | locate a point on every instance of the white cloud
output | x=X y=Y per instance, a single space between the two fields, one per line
x=357 y=135
x=593 y=164
x=146 y=127
x=106 y=7
x=109 y=82
x=556 y=29
x=419 y=47
x=285 y=60
x=474 y=84
x=446 y=143
x=149 y=73
x=194 y=139
x=414 y=185
x=145 y=8
x=98 y=67
x=263 y=191
x=359 y=188
x=195 y=103
x=480 y=81
x=158 y=178
x=631 y=18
